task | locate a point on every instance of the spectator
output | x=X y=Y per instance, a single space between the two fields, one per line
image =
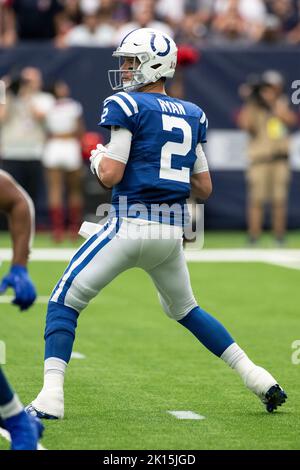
x=194 y=26
x=287 y=14
x=7 y=26
x=239 y=20
x=94 y=22
x=267 y=118
x=98 y=28
x=64 y=25
x=31 y=20
x=253 y=11
x=143 y=17
x=62 y=160
x=68 y=19
x=72 y=11
x=171 y=11
x=23 y=134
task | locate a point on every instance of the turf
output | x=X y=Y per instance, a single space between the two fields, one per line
x=139 y=364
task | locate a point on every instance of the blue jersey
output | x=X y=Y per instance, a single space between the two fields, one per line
x=165 y=133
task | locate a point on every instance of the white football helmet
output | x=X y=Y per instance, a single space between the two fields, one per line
x=155 y=56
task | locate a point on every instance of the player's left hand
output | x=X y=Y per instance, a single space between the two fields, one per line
x=19 y=280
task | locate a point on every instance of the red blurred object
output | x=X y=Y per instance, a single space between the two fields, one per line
x=187 y=55
x=89 y=142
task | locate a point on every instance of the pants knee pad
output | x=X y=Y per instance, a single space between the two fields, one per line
x=177 y=312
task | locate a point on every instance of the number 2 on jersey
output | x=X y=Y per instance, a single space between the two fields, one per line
x=175 y=148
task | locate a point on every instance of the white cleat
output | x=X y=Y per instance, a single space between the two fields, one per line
x=261 y=382
x=49 y=404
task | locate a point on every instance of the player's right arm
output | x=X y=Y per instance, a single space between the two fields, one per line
x=109 y=163
x=19 y=209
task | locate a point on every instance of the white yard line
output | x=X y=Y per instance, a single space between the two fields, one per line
x=5 y=435
x=244 y=255
x=288 y=264
x=42 y=254
x=77 y=355
x=186 y=415
x=286 y=257
x=6 y=299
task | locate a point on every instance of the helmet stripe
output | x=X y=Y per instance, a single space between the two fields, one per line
x=122 y=42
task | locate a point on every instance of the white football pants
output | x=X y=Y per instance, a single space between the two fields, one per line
x=123 y=244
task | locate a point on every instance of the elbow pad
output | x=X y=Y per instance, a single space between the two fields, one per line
x=200 y=165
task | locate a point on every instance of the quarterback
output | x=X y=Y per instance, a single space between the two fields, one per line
x=154 y=158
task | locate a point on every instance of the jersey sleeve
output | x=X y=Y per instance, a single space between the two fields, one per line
x=119 y=110
x=202 y=128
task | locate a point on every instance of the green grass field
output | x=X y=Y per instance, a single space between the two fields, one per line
x=139 y=364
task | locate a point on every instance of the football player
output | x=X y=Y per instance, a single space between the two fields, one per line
x=153 y=160
x=15 y=203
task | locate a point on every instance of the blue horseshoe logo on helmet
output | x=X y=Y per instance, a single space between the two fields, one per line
x=161 y=54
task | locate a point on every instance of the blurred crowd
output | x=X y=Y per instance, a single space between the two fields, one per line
x=43 y=145
x=103 y=23
x=43 y=141
x=43 y=133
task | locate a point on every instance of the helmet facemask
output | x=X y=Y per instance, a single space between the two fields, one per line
x=116 y=77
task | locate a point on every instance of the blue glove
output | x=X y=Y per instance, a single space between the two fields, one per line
x=20 y=282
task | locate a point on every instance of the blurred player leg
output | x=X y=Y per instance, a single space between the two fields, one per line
x=24 y=430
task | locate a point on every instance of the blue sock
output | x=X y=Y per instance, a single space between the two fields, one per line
x=61 y=323
x=209 y=331
x=6 y=393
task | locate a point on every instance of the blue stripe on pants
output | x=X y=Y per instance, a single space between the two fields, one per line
x=80 y=251
x=86 y=261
